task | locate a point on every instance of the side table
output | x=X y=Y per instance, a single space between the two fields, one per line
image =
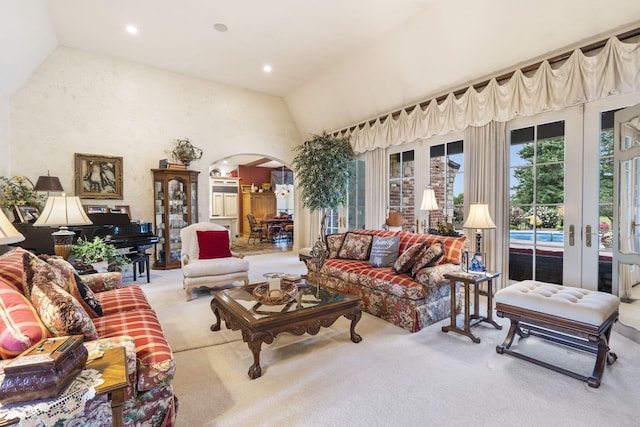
x=467 y=280
x=113 y=368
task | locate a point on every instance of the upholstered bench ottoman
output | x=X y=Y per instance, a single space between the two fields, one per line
x=574 y=317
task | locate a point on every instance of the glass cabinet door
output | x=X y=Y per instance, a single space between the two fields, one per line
x=176 y=206
x=178 y=216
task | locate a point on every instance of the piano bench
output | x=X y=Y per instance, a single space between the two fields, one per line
x=140 y=261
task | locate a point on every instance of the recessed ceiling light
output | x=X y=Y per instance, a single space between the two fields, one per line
x=131 y=29
x=220 y=27
x=267 y=68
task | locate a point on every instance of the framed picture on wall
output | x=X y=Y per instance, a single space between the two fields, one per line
x=122 y=209
x=98 y=177
x=96 y=208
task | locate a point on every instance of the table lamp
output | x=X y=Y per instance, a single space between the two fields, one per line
x=8 y=233
x=429 y=202
x=48 y=184
x=480 y=219
x=62 y=211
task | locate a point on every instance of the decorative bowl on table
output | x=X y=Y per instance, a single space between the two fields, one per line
x=288 y=292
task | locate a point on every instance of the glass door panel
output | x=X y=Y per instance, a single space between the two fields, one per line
x=545 y=194
x=627 y=193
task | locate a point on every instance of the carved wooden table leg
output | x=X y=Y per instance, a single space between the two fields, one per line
x=355 y=318
x=255 y=371
x=214 y=308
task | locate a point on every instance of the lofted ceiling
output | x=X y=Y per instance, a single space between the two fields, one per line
x=299 y=39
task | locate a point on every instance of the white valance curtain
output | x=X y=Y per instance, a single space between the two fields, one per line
x=581 y=78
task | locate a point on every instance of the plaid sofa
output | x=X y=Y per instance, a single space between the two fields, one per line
x=396 y=298
x=125 y=319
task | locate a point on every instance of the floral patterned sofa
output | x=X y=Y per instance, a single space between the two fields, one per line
x=42 y=297
x=412 y=296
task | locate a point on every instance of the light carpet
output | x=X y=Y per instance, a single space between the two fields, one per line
x=392 y=377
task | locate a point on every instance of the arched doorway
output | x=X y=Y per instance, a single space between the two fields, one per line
x=252 y=184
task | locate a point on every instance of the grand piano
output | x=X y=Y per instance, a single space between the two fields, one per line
x=115 y=228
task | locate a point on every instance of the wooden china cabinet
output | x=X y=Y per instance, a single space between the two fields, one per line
x=176 y=206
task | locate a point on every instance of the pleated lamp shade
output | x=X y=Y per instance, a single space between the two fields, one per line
x=8 y=233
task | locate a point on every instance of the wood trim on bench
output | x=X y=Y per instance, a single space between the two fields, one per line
x=582 y=336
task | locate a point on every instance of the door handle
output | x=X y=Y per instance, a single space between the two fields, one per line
x=572 y=235
x=588 y=236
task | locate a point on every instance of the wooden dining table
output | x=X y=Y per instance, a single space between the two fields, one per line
x=271 y=223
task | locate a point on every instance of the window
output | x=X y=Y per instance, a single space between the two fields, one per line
x=353 y=215
x=402 y=186
x=446 y=174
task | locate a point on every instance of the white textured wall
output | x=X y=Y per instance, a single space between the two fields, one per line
x=447 y=46
x=81 y=103
x=5 y=167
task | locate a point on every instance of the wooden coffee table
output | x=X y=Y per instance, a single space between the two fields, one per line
x=261 y=323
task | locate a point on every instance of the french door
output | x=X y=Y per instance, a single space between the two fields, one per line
x=545 y=188
x=561 y=192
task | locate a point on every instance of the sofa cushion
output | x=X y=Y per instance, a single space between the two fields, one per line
x=356 y=246
x=129 y=298
x=334 y=243
x=214 y=266
x=156 y=365
x=386 y=280
x=213 y=244
x=11 y=268
x=345 y=269
x=20 y=326
x=60 y=312
x=100 y=282
x=453 y=245
x=434 y=276
x=429 y=257
x=384 y=251
x=408 y=258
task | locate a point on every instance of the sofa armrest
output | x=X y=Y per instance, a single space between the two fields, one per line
x=100 y=282
x=185 y=259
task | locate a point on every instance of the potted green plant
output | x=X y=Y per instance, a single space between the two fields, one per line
x=98 y=251
x=323 y=169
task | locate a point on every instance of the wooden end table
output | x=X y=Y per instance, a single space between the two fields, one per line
x=467 y=280
x=113 y=368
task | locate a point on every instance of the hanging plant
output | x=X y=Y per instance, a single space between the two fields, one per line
x=185 y=152
x=323 y=168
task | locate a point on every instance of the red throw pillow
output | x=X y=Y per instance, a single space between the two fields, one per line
x=213 y=244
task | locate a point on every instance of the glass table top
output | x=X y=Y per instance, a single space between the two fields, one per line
x=307 y=298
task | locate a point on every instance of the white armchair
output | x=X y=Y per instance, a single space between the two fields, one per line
x=215 y=273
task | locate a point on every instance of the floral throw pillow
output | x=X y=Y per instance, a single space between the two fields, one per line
x=409 y=257
x=334 y=243
x=60 y=312
x=356 y=246
x=429 y=257
x=75 y=286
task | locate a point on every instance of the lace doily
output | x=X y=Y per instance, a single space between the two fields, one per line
x=47 y=411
